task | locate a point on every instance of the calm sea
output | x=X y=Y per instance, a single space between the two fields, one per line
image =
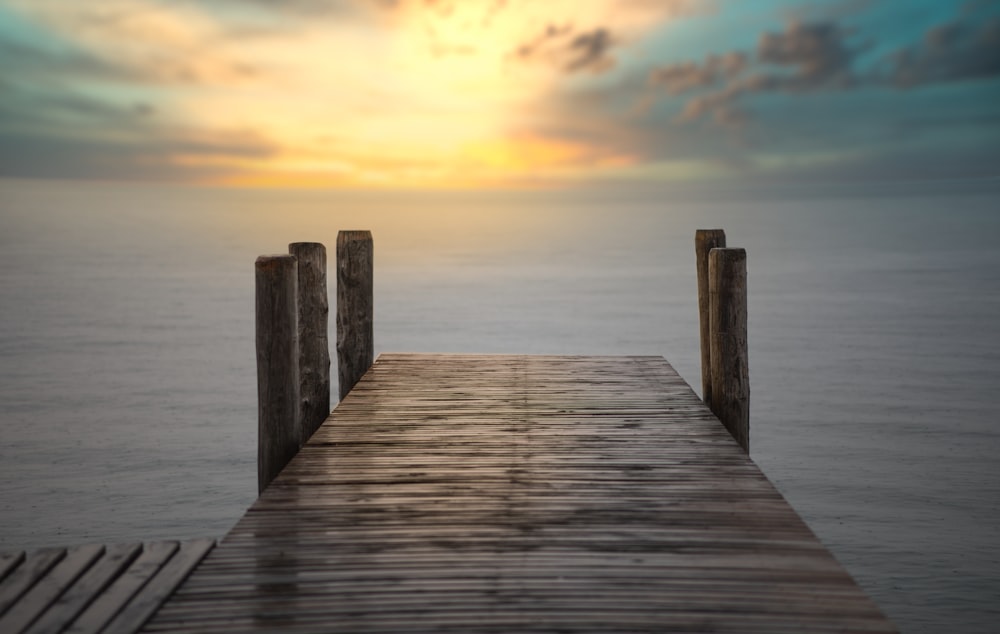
x=127 y=376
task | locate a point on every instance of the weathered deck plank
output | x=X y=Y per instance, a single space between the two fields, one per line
x=476 y=493
x=159 y=587
x=48 y=588
x=62 y=613
x=8 y=562
x=128 y=584
x=32 y=568
x=92 y=588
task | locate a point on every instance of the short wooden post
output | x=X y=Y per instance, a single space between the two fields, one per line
x=704 y=241
x=314 y=346
x=278 y=435
x=727 y=273
x=355 y=305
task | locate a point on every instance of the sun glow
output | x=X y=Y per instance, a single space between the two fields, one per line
x=416 y=93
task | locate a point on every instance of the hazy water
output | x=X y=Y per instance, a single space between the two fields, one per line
x=127 y=379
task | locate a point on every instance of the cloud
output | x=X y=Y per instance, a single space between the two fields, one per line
x=589 y=51
x=954 y=51
x=720 y=106
x=50 y=128
x=289 y=8
x=418 y=92
x=802 y=58
x=25 y=59
x=533 y=48
x=570 y=50
x=53 y=111
x=686 y=76
x=420 y=80
x=140 y=42
x=826 y=11
x=189 y=155
x=818 y=54
x=824 y=57
x=576 y=38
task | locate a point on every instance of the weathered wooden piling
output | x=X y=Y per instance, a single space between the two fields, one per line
x=704 y=241
x=314 y=347
x=355 y=307
x=730 y=384
x=279 y=435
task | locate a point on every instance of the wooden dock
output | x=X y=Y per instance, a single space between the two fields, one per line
x=520 y=494
x=92 y=588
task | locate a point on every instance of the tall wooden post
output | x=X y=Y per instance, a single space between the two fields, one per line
x=727 y=273
x=355 y=305
x=314 y=347
x=278 y=435
x=704 y=241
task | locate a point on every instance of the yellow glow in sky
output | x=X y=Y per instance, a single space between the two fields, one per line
x=499 y=93
x=416 y=93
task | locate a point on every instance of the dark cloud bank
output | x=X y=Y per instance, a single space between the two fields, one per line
x=824 y=56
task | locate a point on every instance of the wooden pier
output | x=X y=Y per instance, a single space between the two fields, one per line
x=471 y=493
x=520 y=494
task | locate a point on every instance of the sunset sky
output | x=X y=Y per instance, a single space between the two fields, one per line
x=498 y=93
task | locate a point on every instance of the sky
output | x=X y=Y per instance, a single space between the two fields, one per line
x=499 y=93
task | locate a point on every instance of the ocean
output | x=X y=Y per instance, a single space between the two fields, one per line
x=127 y=368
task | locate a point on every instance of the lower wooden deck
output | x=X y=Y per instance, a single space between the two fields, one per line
x=520 y=494
x=92 y=588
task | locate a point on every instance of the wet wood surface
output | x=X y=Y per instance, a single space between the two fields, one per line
x=730 y=366
x=464 y=493
x=704 y=241
x=92 y=588
x=277 y=337
x=314 y=344
x=355 y=307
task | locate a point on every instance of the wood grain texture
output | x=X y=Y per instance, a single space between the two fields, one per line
x=728 y=342
x=355 y=307
x=8 y=562
x=49 y=587
x=117 y=595
x=94 y=588
x=467 y=493
x=314 y=345
x=86 y=589
x=704 y=241
x=159 y=587
x=31 y=569
x=279 y=435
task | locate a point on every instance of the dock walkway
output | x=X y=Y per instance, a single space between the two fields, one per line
x=520 y=494
x=112 y=589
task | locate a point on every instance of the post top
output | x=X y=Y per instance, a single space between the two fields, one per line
x=703 y=236
x=275 y=259
x=354 y=234
x=729 y=251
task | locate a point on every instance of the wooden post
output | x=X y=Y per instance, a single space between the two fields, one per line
x=278 y=435
x=314 y=346
x=355 y=304
x=704 y=241
x=727 y=273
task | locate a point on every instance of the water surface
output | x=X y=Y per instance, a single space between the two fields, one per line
x=127 y=377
